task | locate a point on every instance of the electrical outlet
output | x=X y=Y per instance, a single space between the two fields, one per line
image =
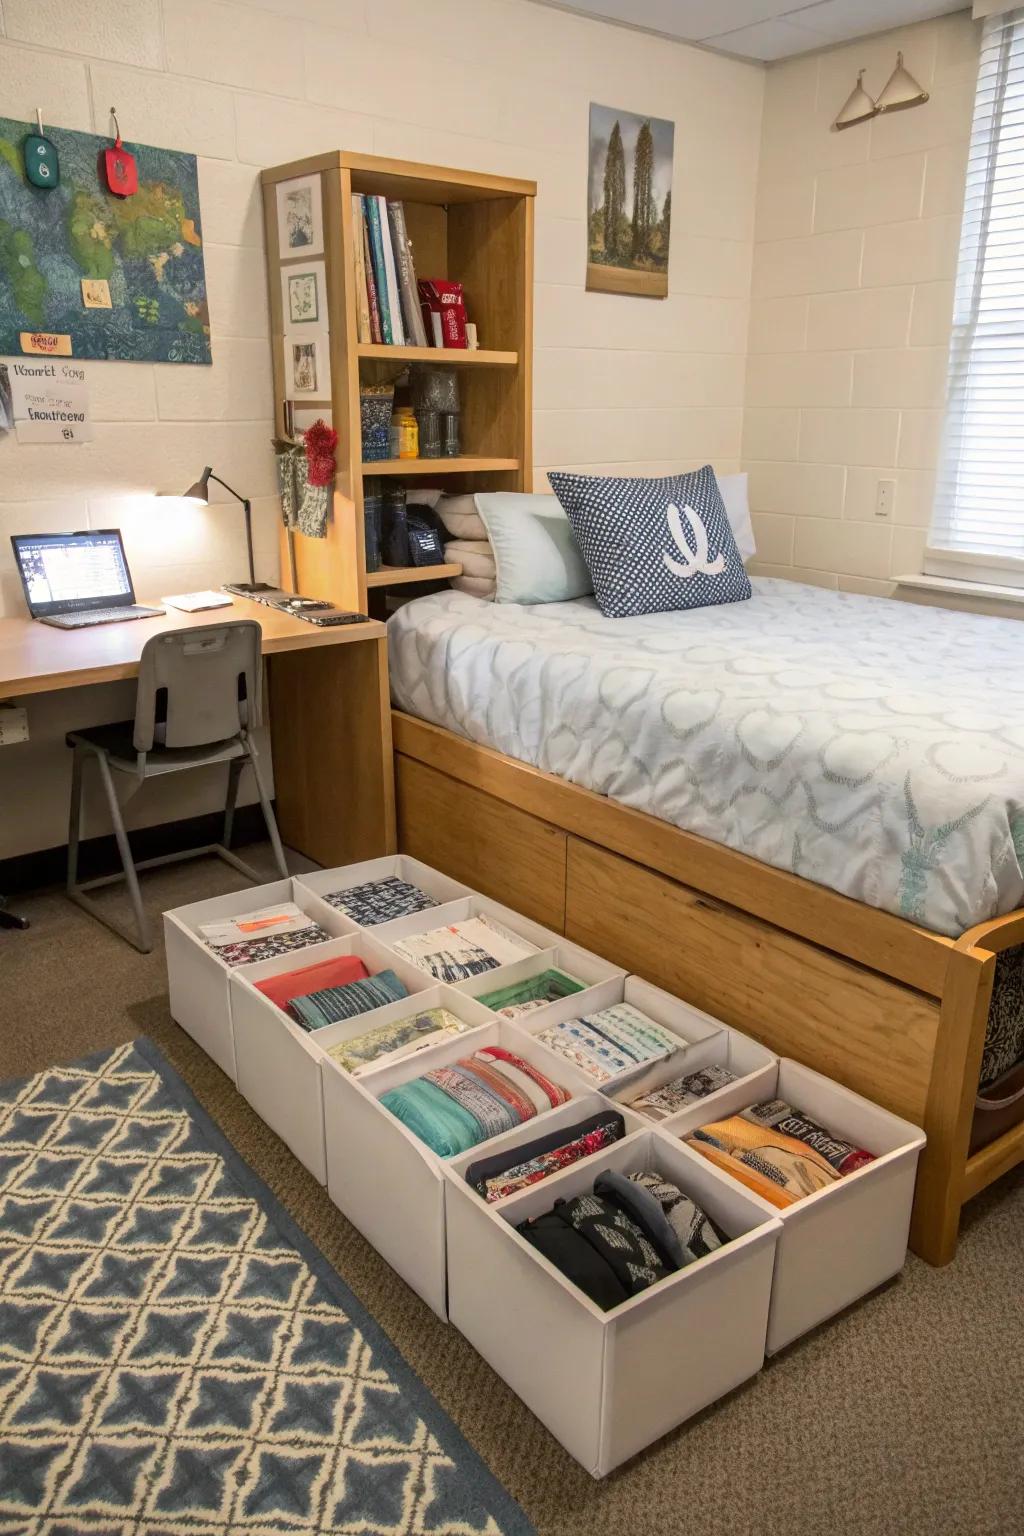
x=13 y=725
x=885 y=498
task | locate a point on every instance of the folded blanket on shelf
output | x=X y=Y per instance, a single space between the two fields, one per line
x=312 y=978
x=504 y=1173
x=333 y=1003
x=466 y=948
x=452 y=1108
x=659 y=1103
x=535 y=992
x=380 y=901
x=612 y=1041
x=393 y=1042
x=262 y=934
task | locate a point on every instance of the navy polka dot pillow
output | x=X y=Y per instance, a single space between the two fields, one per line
x=654 y=545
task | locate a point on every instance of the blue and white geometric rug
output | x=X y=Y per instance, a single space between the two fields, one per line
x=176 y=1357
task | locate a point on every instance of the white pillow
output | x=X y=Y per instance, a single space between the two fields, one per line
x=535 y=549
x=737 y=510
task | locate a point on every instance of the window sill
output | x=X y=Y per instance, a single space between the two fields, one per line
x=969 y=596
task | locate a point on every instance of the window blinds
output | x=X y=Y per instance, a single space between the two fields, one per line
x=978 y=517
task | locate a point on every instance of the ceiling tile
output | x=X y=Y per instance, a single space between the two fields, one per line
x=841 y=19
x=766 y=40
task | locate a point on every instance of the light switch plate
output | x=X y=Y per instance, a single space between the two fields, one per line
x=13 y=724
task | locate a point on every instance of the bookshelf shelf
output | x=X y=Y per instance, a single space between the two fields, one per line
x=465 y=226
x=461 y=466
x=460 y=358
x=399 y=575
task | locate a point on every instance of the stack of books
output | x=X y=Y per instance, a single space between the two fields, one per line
x=387 y=301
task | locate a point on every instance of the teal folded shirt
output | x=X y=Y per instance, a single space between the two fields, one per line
x=318 y=1009
x=433 y=1116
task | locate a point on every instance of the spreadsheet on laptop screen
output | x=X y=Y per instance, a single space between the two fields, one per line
x=73 y=570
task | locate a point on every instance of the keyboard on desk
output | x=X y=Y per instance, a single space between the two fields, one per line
x=90 y=616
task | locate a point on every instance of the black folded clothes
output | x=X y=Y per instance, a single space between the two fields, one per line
x=627 y=1235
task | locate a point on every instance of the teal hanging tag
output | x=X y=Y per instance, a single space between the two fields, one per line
x=42 y=166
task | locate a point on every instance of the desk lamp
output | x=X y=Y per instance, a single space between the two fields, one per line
x=200 y=494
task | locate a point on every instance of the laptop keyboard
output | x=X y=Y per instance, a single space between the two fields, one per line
x=100 y=616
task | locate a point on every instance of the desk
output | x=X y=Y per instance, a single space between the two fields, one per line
x=330 y=718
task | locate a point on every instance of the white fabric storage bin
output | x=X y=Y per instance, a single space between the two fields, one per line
x=844 y=1241
x=389 y=1183
x=558 y=1119
x=322 y=882
x=198 y=981
x=607 y=1384
x=752 y=1064
x=278 y=1062
x=458 y=911
x=696 y=1031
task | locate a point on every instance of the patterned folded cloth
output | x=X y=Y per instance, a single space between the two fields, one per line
x=454 y=1107
x=659 y=1103
x=603 y=1045
x=380 y=901
x=262 y=935
x=334 y=1003
x=311 y=978
x=695 y=1230
x=466 y=948
x=535 y=992
x=504 y=1173
x=777 y=1152
x=393 y=1042
x=843 y=1155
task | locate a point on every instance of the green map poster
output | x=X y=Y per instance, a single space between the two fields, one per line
x=147 y=249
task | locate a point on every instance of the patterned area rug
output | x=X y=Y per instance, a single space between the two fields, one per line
x=176 y=1357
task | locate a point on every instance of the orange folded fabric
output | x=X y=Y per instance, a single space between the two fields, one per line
x=312 y=978
x=778 y=1167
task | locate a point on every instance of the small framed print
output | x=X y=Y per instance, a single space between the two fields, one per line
x=300 y=218
x=307 y=366
x=303 y=294
x=303 y=417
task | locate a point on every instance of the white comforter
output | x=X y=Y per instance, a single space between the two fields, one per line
x=870 y=745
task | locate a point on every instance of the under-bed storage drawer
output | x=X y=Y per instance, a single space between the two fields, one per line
x=492 y=847
x=873 y=1035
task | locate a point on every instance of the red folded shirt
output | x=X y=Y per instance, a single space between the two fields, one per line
x=312 y=978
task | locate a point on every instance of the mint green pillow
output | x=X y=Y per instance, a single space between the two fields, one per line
x=535 y=549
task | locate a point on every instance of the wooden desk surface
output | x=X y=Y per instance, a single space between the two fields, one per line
x=37 y=658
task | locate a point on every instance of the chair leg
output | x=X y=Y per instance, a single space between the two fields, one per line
x=268 y=815
x=75 y=817
x=234 y=776
x=140 y=938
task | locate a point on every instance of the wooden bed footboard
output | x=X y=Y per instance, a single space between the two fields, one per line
x=886 y=1008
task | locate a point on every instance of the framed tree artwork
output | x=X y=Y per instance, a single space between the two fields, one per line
x=629 y=203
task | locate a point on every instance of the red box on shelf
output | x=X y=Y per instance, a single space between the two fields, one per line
x=444 y=311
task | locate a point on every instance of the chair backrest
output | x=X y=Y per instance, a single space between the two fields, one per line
x=212 y=680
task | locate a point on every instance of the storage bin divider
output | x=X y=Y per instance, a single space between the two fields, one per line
x=278 y=1062
x=599 y=978
x=443 y=888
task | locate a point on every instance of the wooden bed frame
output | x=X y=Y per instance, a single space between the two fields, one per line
x=891 y=1010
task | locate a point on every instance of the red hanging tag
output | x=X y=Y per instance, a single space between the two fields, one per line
x=119 y=163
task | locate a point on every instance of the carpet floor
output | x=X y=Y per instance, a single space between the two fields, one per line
x=903 y=1417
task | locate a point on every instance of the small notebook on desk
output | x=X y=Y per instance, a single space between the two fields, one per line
x=195 y=602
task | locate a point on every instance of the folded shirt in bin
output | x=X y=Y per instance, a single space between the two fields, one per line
x=332 y=1004
x=610 y=1042
x=504 y=1173
x=261 y=935
x=778 y=1152
x=453 y=1108
x=380 y=901
x=535 y=992
x=466 y=948
x=393 y=1042
x=623 y=1238
x=311 y=978
x=659 y=1103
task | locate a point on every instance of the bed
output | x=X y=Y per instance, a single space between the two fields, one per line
x=805 y=812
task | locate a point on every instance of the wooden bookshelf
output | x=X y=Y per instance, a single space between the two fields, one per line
x=464 y=225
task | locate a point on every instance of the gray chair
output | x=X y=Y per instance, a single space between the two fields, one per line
x=200 y=696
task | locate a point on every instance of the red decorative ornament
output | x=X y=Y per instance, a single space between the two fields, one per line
x=321 y=441
x=119 y=164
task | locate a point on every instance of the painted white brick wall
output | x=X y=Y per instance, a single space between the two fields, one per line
x=499 y=85
x=856 y=249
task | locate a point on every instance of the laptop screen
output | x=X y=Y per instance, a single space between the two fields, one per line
x=72 y=572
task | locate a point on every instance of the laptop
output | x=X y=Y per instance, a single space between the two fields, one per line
x=75 y=580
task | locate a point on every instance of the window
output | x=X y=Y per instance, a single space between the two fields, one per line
x=977 y=528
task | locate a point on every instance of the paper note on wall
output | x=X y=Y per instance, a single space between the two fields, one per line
x=51 y=401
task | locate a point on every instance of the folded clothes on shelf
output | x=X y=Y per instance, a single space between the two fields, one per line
x=612 y=1041
x=465 y=948
x=380 y=901
x=535 y=992
x=659 y=1103
x=504 y=1173
x=332 y=1004
x=393 y=1042
x=628 y=1234
x=778 y=1152
x=454 y=1107
x=262 y=934
x=312 y=978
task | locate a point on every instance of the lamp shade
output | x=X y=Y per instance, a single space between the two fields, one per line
x=200 y=491
x=901 y=90
x=857 y=108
